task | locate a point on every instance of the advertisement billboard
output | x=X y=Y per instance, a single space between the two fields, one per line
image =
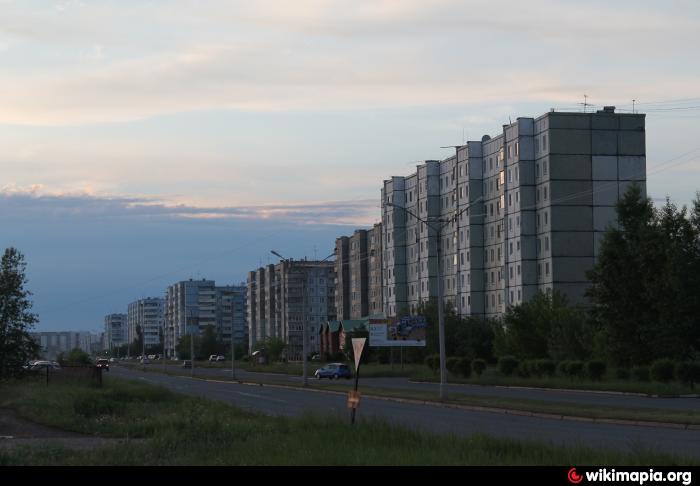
x=404 y=331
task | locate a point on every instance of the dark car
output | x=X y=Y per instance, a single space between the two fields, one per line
x=334 y=370
x=103 y=363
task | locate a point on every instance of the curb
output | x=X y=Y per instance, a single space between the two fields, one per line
x=574 y=390
x=475 y=408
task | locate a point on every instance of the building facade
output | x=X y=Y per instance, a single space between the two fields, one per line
x=231 y=314
x=148 y=316
x=190 y=306
x=520 y=213
x=116 y=330
x=286 y=297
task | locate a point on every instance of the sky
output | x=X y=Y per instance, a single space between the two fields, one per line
x=146 y=142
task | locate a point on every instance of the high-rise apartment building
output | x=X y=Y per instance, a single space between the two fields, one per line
x=518 y=213
x=284 y=298
x=146 y=315
x=116 y=330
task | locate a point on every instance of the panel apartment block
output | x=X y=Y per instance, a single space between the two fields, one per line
x=522 y=212
x=284 y=298
x=374 y=245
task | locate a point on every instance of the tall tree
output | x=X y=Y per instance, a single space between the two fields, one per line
x=645 y=282
x=16 y=318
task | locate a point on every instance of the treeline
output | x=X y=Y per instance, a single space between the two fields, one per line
x=642 y=314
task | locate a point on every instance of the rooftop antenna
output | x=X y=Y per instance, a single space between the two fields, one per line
x=633 y=102
x=314 y=252
x=510 y=122
x=585 y=102
x=464 y=135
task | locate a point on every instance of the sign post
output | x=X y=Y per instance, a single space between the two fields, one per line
x=358 y=345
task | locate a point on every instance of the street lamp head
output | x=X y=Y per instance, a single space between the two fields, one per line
x=277 y=254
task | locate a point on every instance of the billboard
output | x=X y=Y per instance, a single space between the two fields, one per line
x=404 y=331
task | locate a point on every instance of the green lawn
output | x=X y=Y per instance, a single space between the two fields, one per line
x=184 y=430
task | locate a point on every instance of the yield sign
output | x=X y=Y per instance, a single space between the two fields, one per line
x=358 y=344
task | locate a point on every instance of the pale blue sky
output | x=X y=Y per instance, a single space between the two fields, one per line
x=142 y=142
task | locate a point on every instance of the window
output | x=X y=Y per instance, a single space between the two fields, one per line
x=510 y=199
x=545 y=193
x=544 y=142
x=546 y=268
x=545 y=218
x=510 y=271
x=517 y=243
x=544 y=167
x=511 y=248
x=517 y=148
x=517 y=196
x=546 y=243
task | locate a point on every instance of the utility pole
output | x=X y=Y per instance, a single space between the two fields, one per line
x=233 y=343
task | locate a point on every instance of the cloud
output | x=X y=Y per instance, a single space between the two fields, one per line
x=326 y=55
x=36 y=202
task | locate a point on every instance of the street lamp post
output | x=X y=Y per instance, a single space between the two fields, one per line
x=441 y=314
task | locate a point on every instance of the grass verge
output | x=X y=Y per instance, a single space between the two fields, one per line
x=184 y=430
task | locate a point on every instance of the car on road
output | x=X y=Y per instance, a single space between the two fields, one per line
x=187 y=363
x=334 y=370
x=40 y=365
x=103 y=363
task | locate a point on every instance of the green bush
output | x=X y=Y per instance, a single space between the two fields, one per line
x=688 y=372
x=570 y=369
x=541 y=367
x=508 y=364
x=451 y=364
x=640 y=373
x=595 y=370
x=479 y=366
x=622 y=374
x=464 y=367
x=433 y=362
x=563 y=368
x=663 y=370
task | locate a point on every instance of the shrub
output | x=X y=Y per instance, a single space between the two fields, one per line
x=663 y=370
x=622 y=374
x=542 y=367
x=507 y=365
x=563 y=368
x=688 y=372
x=570 y=369
x=479 y=366
x=433 y=362
x=595 y=370
x=451 y=364
x=464 y=367
x=640 y=373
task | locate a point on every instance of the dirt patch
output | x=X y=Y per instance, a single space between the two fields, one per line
x=16 y=431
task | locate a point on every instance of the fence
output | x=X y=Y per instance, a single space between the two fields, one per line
x=75 y=375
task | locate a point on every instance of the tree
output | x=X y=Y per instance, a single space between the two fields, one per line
x=16 y=318
x=209 y=343
x=76 y=356
x=273 y=348
x=646 y=281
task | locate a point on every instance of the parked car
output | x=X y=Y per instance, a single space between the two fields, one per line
x=334 y=370
x=221 y=357
x=144 y=360
x=213 y=357
x=187 y=363
x=316 y=357
x=103 y=363
x=39 y=366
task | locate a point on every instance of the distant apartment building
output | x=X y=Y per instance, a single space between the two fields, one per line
x=192 y=305
x=231 y=314
x=116 y=330
x=359 y=274
x=518 y=213
x=283 y=298
x=54 y=343
x=146 y=315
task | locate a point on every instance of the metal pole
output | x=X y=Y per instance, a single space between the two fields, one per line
x=441 y=319
x=357 y=378
x=233 y=343
x=192 y=354
x=304 y=331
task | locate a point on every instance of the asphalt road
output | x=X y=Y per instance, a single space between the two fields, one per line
x=432 y=418
x=572 y=396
